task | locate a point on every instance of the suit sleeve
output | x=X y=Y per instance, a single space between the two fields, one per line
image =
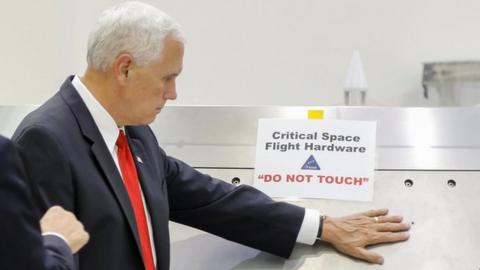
x=241 y=214
x=22 y=246
x=58 y=254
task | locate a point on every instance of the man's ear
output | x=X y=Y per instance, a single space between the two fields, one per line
x=122 y=66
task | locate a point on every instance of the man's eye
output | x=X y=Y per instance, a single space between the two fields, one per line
x=169 y=78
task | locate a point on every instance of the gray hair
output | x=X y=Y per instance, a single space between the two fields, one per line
x=130 y=27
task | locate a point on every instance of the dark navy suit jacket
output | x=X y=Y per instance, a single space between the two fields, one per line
x=22 y=247
x=65 y=154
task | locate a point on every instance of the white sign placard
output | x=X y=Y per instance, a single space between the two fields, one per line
x=331 y=159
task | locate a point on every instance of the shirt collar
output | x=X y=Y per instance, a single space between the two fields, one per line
x=104 y=121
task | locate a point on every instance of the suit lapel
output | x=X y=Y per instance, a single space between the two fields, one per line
x=152 y=191
x=151 y=186
x=101 y=153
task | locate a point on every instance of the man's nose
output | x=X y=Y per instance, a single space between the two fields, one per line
x=171 y=93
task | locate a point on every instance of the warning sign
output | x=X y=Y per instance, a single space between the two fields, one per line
x=329 y=159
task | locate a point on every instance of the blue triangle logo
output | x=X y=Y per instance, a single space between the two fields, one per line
x=311 y=164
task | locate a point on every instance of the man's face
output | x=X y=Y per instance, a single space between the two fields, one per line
x=148 y=88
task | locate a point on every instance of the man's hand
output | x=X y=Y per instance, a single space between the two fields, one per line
x=58 y=220
x=351 y=234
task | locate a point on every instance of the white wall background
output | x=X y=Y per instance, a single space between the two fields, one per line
x=253 y=52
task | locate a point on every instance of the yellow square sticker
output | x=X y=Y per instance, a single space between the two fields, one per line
x=315 y=114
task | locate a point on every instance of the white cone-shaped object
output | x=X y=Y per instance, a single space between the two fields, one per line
x=356 y=76
x=355 y=83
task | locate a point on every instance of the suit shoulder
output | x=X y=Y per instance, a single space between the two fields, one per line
x=5 y=145
x=7 y=154
x=54 y=115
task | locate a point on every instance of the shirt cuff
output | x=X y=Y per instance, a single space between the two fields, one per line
x=57 y=235
x=309 y=230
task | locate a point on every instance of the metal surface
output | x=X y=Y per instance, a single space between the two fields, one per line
x=444 y=233
x=407 y=138
x=437 y=149
x=452 y=83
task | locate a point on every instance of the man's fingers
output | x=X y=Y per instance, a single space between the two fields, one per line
x=351 y=234
x=376 y=212
x=389 y=237
x=392 y=227
x=78 y=238
x=87 y=237
x=63 y=222
x=390 y=219
x=369 y=256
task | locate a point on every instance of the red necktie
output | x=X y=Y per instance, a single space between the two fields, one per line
x=130 y=179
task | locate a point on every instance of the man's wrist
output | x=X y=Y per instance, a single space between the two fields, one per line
x=320 y=227
x=309 y=228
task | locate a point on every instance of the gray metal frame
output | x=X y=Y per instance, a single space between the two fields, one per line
x=427 y=169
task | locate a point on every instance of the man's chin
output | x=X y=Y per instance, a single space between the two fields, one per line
x=144 y=121
x=151 y=119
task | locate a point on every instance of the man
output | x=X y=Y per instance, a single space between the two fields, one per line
x=22 y=246
x=91 y=151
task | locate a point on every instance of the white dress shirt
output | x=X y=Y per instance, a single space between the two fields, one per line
x=109 y=131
